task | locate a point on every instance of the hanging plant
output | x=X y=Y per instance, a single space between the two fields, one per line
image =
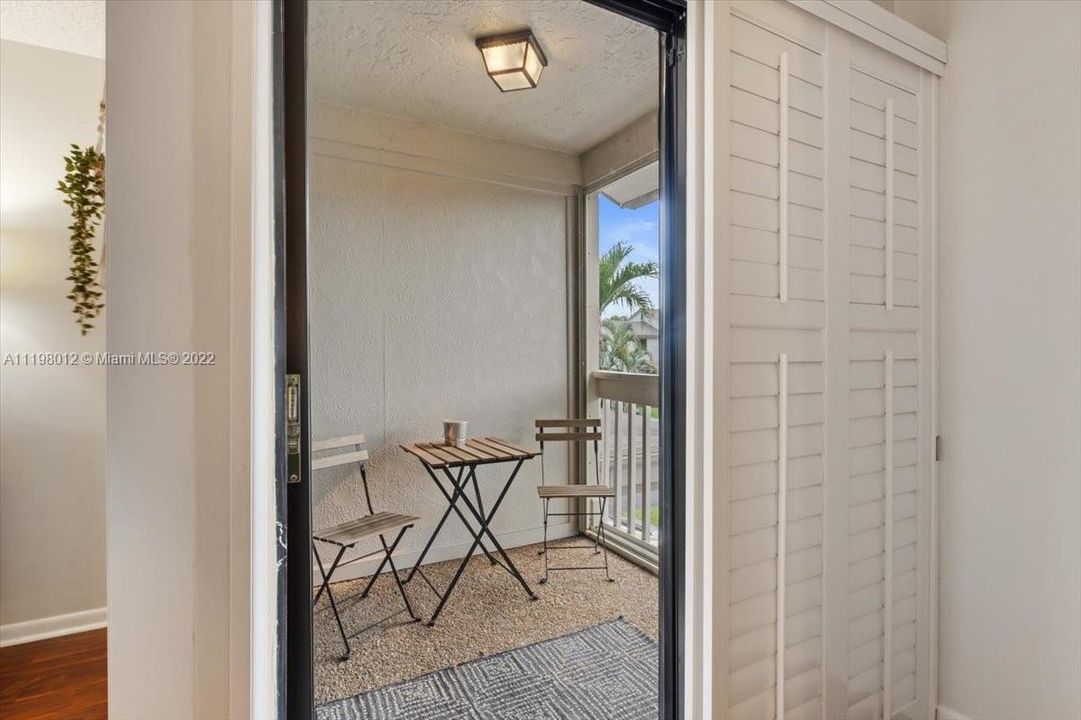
x=83 y=186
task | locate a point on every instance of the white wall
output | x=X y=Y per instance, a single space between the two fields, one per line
x=178 y=281
x=52 y=419
x=436 y=293
x=1010 y=357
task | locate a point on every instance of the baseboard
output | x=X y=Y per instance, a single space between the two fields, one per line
x=50 y=627
x=446 y=552
x=948 y=713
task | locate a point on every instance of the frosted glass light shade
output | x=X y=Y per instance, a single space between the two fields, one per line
x=513 y=61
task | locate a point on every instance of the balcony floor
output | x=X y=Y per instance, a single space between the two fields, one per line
x=488 y=613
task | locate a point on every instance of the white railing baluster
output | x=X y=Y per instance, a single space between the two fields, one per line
x=600 y=451
x=646 y=499
x=618 y=460
x=630 y=467
x=887 y=591
x=782 y=523
x=609 y=460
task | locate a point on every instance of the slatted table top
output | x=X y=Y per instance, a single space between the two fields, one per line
x=477 y=451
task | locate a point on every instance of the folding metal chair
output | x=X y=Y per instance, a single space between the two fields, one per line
x=345 y=536
x=574 y=430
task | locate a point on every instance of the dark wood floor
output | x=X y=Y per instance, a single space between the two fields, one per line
x=51 y=679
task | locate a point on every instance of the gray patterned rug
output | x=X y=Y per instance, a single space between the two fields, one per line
x=603 y=672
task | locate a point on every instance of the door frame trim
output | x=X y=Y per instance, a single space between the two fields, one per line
x=291 y=343
x=878 y=26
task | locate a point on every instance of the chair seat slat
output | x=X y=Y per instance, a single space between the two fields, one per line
x=352 y=531
x=575 y=491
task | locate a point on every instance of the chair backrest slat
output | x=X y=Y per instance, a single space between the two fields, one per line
x=338 y=442
x=570 y=430
x=344 y=450
x=567 y=436
x=569 y=423
x=329 y=461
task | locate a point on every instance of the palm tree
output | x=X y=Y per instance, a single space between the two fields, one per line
x=621 y=350
x=618 y=281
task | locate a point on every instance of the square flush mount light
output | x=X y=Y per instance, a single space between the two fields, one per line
x=514 y=61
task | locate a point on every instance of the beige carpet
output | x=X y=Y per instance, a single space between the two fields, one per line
x=488 y=613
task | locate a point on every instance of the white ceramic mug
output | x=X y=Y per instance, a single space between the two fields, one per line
x=454 y=432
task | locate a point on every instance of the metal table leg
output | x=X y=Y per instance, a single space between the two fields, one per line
x=480 y=516
x=465 y=521
x=485 y=521
x=452 y=506
x=480 y=502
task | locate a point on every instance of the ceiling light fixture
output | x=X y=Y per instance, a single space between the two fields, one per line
x=514 y=61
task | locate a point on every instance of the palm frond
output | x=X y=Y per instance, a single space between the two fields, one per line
x=618 y=280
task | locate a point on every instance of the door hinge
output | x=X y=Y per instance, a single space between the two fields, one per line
x=292 y=427
x=938 y=448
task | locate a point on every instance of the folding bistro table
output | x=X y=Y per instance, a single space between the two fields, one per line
x=442 y=458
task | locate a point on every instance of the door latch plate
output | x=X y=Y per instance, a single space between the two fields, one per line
x=292 y=426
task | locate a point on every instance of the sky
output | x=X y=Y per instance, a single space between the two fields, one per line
x=640 y=230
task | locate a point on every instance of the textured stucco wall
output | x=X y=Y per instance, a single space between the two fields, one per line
x=612 y=156
x=406 y=138
x=433 y=297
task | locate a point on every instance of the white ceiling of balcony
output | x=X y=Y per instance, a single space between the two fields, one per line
x=417 y=59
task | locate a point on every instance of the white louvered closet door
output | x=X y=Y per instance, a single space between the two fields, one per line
x=882 y=131
x=829 y=372
x=778 y=403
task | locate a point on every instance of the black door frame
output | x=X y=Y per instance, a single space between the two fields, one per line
x=291 y=343
x=296 y=679
x=669 y=18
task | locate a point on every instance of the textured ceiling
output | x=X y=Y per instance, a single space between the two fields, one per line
x=417 y=59
x=75 y=26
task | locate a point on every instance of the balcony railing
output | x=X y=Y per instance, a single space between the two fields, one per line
x=630 y=458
